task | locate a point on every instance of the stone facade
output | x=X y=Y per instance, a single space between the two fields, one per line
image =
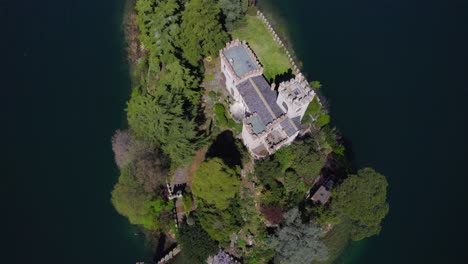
x=272 y=118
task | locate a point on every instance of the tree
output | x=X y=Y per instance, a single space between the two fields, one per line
x=160 y=120
x=220 y=224
x=294 y=186
x=151 y=171
x=201 y=33
x=121 y=142
x=158 y=24
x=196 y=244
x=361 y=199
x=298 y=242
x=222 y=258
x=130 y=200
x=323 y=215
x=216 y=183
x=232 y=10
x=307 y=162
x=178 y=79
x=315 y=85
x=273 y=214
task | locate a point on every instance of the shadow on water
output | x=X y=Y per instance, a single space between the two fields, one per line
x=160 y=252
x=224 y=147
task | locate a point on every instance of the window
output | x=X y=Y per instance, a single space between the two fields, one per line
x=299 y=109
x=285 y=106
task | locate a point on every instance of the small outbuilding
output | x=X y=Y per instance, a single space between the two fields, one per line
x=322 y=195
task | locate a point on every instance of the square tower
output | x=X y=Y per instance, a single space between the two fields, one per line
x=294 y=96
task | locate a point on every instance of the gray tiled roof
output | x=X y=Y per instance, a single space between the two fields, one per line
x=288 y=126
x=257 y=125
x=240 y=60
x=260 y=99
x=297 y=121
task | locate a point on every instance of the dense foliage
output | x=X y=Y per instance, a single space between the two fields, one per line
x=130 y=199
x=217 y=187
x=233 y=12
x=201 y=33
x=361 y=198
x=195 y=243
x=167 y=126
x=298 y=242
x=161 y=120
x=216 y=183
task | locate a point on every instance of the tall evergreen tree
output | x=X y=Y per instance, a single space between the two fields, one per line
x=160 y=119
x=298 y=242
x=201 y=32
x=232 y=11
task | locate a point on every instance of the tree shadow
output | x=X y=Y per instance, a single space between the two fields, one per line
x=225 y=148
x=285 y=76
x=160 y=252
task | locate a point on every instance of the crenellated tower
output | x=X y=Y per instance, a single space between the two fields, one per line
x=294 y=96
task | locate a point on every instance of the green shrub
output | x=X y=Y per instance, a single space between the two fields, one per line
x=220 y=113
x=212 y=95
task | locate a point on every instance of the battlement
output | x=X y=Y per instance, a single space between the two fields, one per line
x=240 y=61
x=296 y=91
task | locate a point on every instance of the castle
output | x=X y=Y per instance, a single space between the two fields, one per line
x=271 y=119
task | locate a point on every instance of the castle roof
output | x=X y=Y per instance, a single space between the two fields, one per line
x=240 y=59
x=291 y=126
x=260 y=99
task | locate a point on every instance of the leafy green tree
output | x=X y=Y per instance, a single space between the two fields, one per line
x=160 y=119
x=315 y=85
x=232 y=11
x=140 y=207
x=298 y=242
x=323 y=120
x=216 y=183
x=315 y=114
x=196 y=244
x=220 y=224
x=324 y=215
x=294 y=186
x=130 y=200
x=361 y=199
x=307 y=161
x=201 y=33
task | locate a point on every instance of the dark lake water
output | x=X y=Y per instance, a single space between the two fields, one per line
x=395 y=73
x=396 y=77
x=64 y=87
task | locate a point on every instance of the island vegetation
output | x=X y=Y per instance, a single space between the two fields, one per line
x=232 y=207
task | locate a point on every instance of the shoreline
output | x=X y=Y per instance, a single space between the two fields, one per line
x=134 y=51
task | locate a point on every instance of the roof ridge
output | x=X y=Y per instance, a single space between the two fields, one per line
x=257 y=90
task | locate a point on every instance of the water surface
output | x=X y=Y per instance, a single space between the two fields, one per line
x=395 y=74
x=64 y=87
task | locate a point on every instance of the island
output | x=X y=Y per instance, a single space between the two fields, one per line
x=229 y=155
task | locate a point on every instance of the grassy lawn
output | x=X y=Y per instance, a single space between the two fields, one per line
x=271 y=55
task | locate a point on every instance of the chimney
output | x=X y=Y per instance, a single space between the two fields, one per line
x=273 y=86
